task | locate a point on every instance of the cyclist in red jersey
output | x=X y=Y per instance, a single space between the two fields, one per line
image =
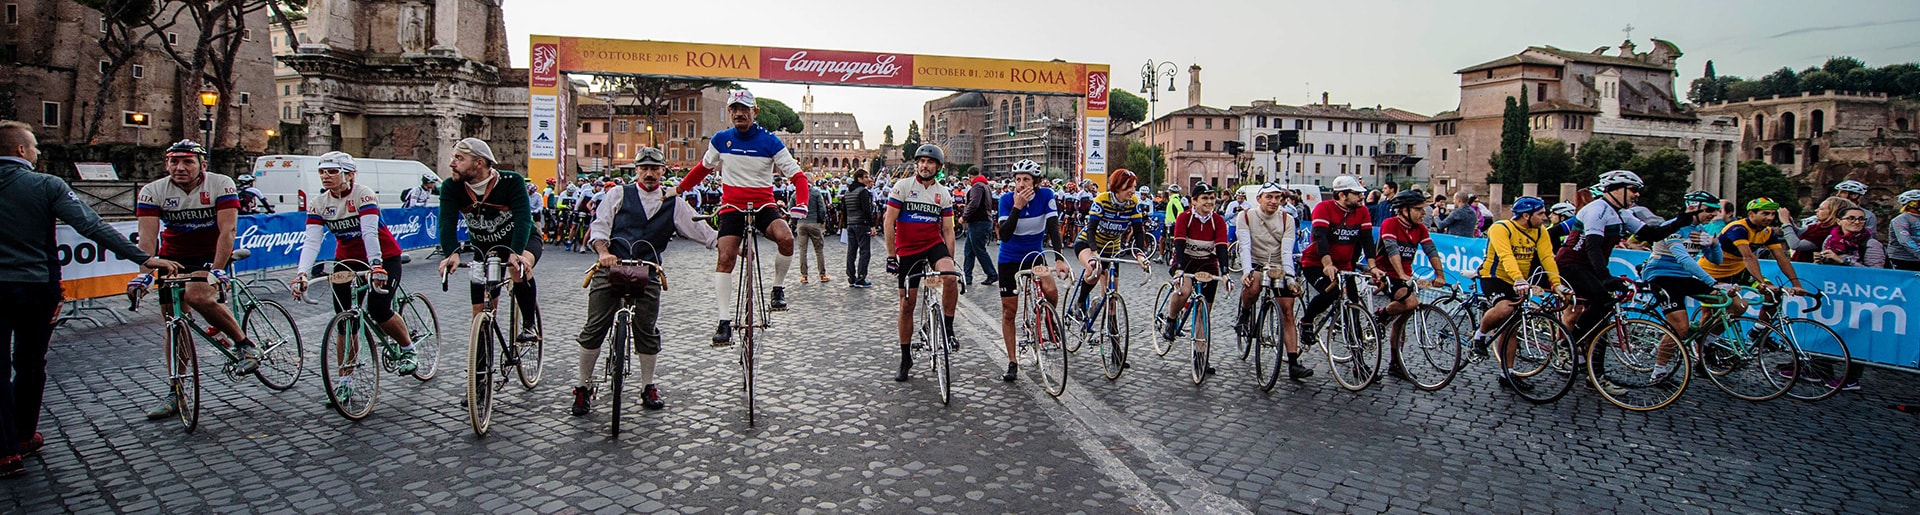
x=1342 y=233
x=1400 y=236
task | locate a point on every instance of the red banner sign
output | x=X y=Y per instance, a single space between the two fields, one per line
x=545 y=65
x=834 y=66
x=1096 y=91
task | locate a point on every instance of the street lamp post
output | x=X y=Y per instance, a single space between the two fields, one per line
x=139 y=123
x=1150 y=86
x=208 y=99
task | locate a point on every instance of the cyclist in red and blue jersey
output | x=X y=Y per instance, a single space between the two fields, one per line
x=191 y=215
x=1027 y=221
x=918 y=233
x=749 y=159
x=1342 y=234
x=352 y=213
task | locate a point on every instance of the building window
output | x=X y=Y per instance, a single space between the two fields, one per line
x=13 y=14
x=675 y=129
x=173 y=38
x=246 y=34
x=620 y=126
x=1443 y=154
x=103 y=67
x=1226 y=123
x=1343 y=168
x=1189 y=144
x=1329 y=145
x=103 y=24
x=1540 y=93
x=1209 y=145
x=9 y=53
x=1260 y=122
x=1393 y=128
x=50 y=114
x=1299 y=125
x=1209 y=123
x=620 y=151
x=133 y=119
x=1343 y=150
x=674 y=154
x=1189 y=122
x=1316 y=166
x=286 y=112
x=246 y=98
x=1345 y=128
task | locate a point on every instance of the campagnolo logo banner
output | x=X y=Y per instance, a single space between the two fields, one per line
x=850 y=67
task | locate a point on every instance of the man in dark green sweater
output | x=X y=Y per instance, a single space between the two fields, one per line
x=30 y=283
x=498 y=213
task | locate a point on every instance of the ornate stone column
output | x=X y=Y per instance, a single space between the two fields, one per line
x=1708 y=170
x=1730 y=170
x=446 y=132
x=319 y=127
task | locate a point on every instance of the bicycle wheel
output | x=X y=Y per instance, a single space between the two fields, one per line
x=480 y=373
x=1114 y=334
x=1202 y=325
x=1354 y=348
x=935 y=330
x=1543 y=363
x=1161 y=319
x=1824 y=359
x=746 y=323
x=346 y=351
x=1269 y=343
x=281 y=352
x=423 y=326
x=1746 y=360
x=1430 y=347
x=1049 y=353
x=529 y=352
x=1465 y=319
x=1623 y=361
x=619 y=341
x=183 y=370
x=1068 y=315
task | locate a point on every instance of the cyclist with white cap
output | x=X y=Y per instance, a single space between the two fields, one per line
x=1269 y=241
x=352 y=213
x=1342 y=233
x=750 y=160
x=1560 y=216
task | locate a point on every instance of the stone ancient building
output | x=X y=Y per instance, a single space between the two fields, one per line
x=1821 y=138
x=994 y=130
x=50 y=68
x=612 y=134
x=831 y=143
x=405 y=79
x=1577 y=97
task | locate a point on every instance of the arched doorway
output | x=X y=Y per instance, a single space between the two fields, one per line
x=1760 y=125
x=1783 y=153
x=1786 y=125
x=1819 y=123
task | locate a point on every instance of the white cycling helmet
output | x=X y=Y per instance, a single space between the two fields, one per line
x=1564 y=209
x=1346 y=183
x=1271 y=187
x=1854 y=187
x=1175 y=188
x=1144 y=190
x=1619 y=179
x=1026 y=166
x=1908 y=197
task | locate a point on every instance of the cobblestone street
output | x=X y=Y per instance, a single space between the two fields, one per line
x=836 y=434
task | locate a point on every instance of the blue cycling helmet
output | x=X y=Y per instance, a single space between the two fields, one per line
x=1526 y=205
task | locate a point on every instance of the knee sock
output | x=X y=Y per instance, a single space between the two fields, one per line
x=1293 y=358
x=588 y=358
x=780 y=264
x=646 y=367
x=948 y=319
x=906 y=354
x=723 y=295
x=1085 y=291
x=529 y=309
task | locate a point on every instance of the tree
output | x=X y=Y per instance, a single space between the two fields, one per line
x=776 y=116
x=912 y=143
x=1759 y=179
x=1550 y=163
x=1146 y=161
x=1598 y=157
x=878 y=161
x=1708 y=88
x=1841 y=65
x=1667 y=173
x=888 y=142
x=119 y=42
x=208 y=60
x=1781 y=82
x=1819 y=80
x=1516 y=133
x=1126 y=107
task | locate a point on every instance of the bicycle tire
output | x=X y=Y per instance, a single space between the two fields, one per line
x=1269 y=339
x=1818 y=377
x=620 y=338
x=1202 y=334
x=480 y=372
x=1066 y=314
x=1113 y=332
x=183 y=370
x=282 y=352
x=747 y=321
x=530 y=353
x=1049 y=352
x=1750 y=371
x=1430 y=347
x=423 y=325
x=1463 y=316
x=936 y=334
x=1354 y=349
x=1544 y=333
x=1616 y=365
x=1161 y=319
x=346 y=352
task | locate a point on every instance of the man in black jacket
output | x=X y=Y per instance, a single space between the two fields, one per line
x=30 y=283
x=858 y=206
x=978 y=211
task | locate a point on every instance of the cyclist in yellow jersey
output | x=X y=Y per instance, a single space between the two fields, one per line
x=1515 y=248
x=1738 y=240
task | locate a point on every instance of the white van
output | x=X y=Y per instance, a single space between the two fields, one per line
x=282 y=177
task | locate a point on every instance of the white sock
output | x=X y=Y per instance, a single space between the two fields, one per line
x=780 y=265
x=588 y=359
x=1479 y=335
x=723 y=295
x=346 y=381
x=646 y=367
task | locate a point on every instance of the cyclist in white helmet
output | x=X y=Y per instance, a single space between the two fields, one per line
x=1903 y=234
x=1856 y=192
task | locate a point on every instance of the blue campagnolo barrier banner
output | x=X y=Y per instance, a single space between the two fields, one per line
x=1866 y=306
x=275 y=239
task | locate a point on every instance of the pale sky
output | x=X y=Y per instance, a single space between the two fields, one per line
x=1365 y=52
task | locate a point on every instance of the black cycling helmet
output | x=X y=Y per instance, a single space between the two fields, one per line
x=1409 y=198
x=932 y=151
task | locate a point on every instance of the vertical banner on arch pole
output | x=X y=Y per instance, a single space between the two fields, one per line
x=1094 y=133
x=543 y=109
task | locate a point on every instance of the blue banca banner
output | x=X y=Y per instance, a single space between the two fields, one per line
x=1866 y=306
x=275 y=239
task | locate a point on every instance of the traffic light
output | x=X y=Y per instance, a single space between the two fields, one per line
x=1234 y=148
x=1010 y=131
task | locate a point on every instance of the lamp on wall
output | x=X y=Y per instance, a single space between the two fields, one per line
x=208 y=99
